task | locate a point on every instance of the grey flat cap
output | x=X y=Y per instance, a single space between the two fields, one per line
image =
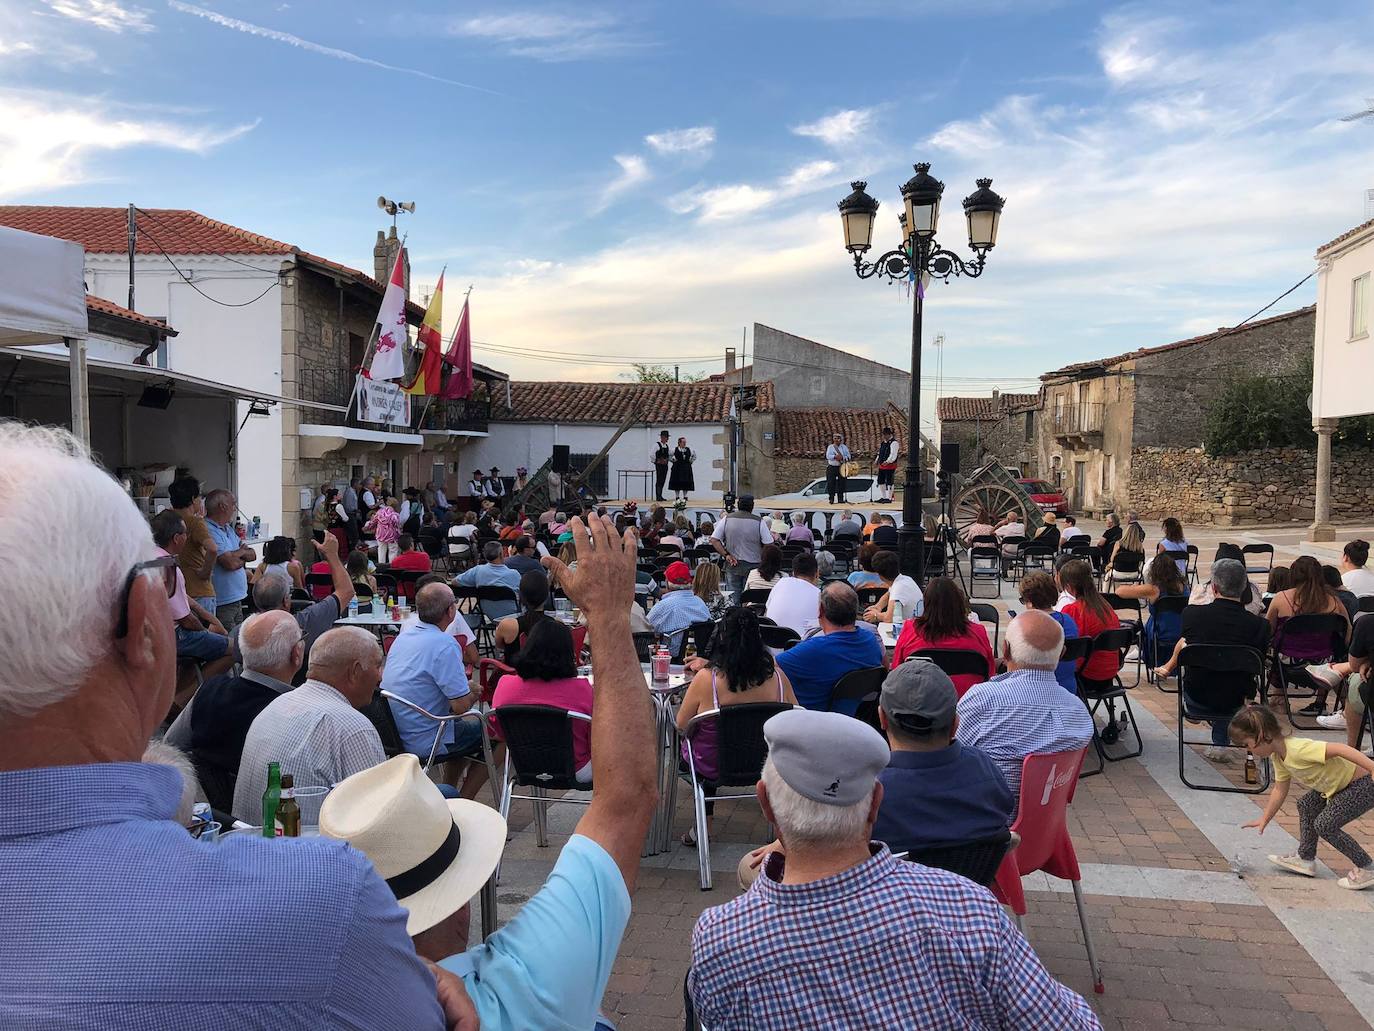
x=919 y=696
x=827 y=757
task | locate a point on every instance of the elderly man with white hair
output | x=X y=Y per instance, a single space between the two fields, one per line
x=213 y=727
x=934 y=950
x=316 y=732
x=1024 y=711
x=101 y=883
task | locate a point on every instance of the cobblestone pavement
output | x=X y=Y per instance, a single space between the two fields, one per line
x=1192 y=925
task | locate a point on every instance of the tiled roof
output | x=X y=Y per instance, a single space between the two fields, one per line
x=960 y=409
x=99 y=306
x=1224 y=331
x=179 y=231
x=610 y=403
x=1345 y=236
x=805 y=432
x=741 y=370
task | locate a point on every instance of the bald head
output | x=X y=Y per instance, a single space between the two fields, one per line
x=348 y=659
x=432 y=604
x=839 y=605
x=272 y=643
x=1034 y=641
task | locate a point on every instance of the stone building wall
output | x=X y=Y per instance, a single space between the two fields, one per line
x=1275 y=485
x=1004 y=439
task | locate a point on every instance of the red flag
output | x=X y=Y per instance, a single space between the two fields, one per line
x=459 y=359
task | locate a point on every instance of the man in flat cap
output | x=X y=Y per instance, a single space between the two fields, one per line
x=840 y=926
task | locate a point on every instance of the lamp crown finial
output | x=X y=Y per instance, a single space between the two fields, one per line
x=861 y=184
x=922 y=166
x=984 y=183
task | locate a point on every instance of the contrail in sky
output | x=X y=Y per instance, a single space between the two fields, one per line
x=315 y=48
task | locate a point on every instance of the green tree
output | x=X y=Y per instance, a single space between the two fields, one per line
x=661 y=374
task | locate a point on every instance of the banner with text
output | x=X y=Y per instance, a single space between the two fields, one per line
x=384 y=403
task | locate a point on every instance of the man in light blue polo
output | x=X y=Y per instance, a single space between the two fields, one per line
x=229 y=575
x=425 y=666
x=493 y=572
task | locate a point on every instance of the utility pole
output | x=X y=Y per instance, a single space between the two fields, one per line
x=133 y=240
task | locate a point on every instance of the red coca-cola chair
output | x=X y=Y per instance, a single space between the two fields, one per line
x=1047 y=787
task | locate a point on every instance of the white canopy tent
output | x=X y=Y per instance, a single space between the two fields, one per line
x=43 y=301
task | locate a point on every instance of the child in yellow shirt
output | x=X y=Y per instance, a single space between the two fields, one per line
x=1340 y=790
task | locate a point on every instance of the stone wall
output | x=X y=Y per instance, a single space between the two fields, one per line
x=1275 y=485
x=1003 y=439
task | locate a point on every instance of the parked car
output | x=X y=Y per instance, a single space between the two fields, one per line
x=856 y=489
x=1049 y=497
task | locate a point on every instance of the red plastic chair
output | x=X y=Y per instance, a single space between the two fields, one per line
x=579 y=636
x=1047 y=787
x=489 y=671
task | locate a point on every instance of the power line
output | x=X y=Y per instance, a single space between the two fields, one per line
x=224 y=304
x=177 y=233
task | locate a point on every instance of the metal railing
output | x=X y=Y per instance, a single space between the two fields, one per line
x=468 y=414
x=1078 y=420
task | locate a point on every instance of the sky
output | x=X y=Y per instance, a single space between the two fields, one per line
x=644 y=181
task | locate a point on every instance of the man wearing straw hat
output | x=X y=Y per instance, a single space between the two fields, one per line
x=549 y=966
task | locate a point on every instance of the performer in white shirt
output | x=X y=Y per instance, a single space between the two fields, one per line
x=888 y=452
x=835 y=456
x=494 y=487
x=477 y=487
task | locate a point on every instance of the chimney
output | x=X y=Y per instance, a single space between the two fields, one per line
x=995 y=395
x=384 y=257
x=729 y=362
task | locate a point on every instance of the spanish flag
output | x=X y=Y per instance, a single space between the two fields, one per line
x=427 y=378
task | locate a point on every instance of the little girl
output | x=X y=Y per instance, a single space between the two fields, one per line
x=1340 y=790
x=386 y=522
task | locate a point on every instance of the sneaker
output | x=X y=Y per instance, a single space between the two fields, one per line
x=1325 y=674
x=1306 y=867
x=1217 y=754
x=1336 y=721
x=1359 y=880
x=1315 y=709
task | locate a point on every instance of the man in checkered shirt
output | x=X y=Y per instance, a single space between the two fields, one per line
x=839 y=934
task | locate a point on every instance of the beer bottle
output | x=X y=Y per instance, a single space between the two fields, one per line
x=271 y=799
x=288 y=813
x=1251 y=773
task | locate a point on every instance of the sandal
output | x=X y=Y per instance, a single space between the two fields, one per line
x=690 y=838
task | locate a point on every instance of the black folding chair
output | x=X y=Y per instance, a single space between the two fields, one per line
x=984 y=564
x=955 y=661
x=936 y=558
x=978 y=861
x=1191 y=575
x=861 y=685
x=1011 y=564
x=323 y=581
x=1099 y=693
x=1215 y=681
x=780 y=637
x=539 y=756
x=1256 y=566
x=386 y=584
x=869 y=596
x=1035 y=556
x=486 y=597
x=1127 y=567
x=987 y=614
x=1288 y=672
x=1154 y=646
x=740 y=754
x=1133 y=620
x=755 y=595
x=644 y=644
x=1364 y=603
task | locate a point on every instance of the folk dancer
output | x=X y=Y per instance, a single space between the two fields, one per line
x=888 y=452
x=835 y=456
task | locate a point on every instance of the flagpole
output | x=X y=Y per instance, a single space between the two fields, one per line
x=371 y=342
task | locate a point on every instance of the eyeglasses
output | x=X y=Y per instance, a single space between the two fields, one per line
x=167 y=564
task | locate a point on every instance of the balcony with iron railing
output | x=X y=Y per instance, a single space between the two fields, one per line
x=1080 y=422
x=334 y=386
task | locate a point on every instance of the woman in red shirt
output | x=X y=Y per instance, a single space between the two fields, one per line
x=1090 y=611
x=944 y=623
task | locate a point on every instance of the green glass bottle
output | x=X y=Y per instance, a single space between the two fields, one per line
x=271 y=799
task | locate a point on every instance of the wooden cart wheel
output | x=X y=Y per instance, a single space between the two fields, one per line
x=996 y=500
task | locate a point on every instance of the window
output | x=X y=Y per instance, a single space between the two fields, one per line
x=1030 y=426
x=1359 y=307
x=436 y=473
x=1108 y=473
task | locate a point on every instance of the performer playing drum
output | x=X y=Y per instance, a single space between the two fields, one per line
x=888 y=452
x=836 y=455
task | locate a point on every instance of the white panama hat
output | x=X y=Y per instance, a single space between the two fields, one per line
x=434 y=853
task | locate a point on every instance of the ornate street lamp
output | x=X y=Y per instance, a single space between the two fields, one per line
x=919 y=257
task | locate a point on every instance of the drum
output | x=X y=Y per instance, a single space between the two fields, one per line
x=850 y=469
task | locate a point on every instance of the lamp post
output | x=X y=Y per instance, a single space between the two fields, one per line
x=918 y=257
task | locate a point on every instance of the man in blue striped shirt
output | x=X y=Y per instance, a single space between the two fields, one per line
x=111 y=915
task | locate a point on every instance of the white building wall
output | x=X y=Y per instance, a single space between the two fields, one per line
x=509 y=445
x=236 y=346
x=1342 y=364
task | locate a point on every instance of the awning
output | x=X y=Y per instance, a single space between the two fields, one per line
x=55 y=371
x=42 y=295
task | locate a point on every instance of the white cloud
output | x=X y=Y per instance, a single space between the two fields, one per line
x=682 y=141
x=46 y=141
x=736 y=200
x=238 y=25
x=551 y=35
x=103 y=14
x=633 y=171
x=839 y=129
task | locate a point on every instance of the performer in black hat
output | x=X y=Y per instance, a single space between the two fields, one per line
x=661 y=455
